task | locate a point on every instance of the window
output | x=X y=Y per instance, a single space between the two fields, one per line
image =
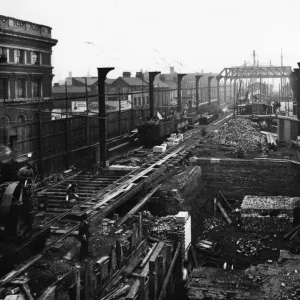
x=11 y=55
x=135 y=101
x=21 y=119
x=140 y=101
x=36 y=85
x=19 y=56
x=147 y=99
x=3 y=55
x=34 y=58
x=3 y=88
x=144 y=101
x=21 y=88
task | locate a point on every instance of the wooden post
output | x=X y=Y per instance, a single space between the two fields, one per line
x=142 y=288
x=152 y=280
x=160 y=271
x=215 y=207
x=140 y=226
x=224 y=213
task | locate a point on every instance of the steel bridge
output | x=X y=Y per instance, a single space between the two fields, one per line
x=256 y=72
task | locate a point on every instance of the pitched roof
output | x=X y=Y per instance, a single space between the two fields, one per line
x=60 y=89
x=90 y=80
x=134 y=81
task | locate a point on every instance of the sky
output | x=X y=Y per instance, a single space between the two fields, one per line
x=152 y=35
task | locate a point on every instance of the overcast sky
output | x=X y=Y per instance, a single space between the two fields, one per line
x=131 y=35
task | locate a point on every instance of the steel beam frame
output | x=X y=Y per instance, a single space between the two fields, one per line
x=256 y=72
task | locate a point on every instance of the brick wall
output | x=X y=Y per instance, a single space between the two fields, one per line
x=237 y=178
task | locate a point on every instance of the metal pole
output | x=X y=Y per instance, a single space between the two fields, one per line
x=151 y=96
x=41 y=140
x=119 y=98
x=67 y=128
x=179 y=79
x=198 y=77
x=102 y=72
x=87 y=120
x=66 y=91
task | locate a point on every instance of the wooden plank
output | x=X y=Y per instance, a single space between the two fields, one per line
x=224 y=213
x=163 y=290
x=27 y=291
x=19 y=270
x=142 y=264
x=225 y=200
x=136 y=208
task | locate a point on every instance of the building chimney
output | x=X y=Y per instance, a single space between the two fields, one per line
x=172 y=70
x=139 y=75
x=126 y=74
x=70 y=74
x=56 y=84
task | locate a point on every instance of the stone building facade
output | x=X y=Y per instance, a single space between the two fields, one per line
x=25 y=72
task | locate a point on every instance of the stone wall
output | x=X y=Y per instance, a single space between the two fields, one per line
x=239 y=177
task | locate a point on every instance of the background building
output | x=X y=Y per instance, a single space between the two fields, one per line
x=25 y=74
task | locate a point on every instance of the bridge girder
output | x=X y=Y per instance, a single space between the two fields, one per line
x=256 y=72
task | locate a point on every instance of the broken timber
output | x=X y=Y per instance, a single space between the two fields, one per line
x=224 y=213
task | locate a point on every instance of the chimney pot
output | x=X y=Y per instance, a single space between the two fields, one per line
x=126 y=74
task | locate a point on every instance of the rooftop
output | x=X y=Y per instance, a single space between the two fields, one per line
x=24 y=27
x=71 y=89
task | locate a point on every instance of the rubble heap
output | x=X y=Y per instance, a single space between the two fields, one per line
x=267 y=214
x=240 y=133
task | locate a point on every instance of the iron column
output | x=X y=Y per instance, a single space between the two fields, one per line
x=209 y=96
x=102 y=72
x=225 y=87
x=197 y=92
x=219 y=77
x=179 y=79
x=151 y=94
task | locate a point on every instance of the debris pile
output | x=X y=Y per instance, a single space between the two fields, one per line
x=211 y=223
x=253 y=245
x=267 y=214
x=159 y=228
x=240 y=133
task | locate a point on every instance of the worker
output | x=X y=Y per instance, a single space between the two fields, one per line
x=83 y=236
x=71 y=197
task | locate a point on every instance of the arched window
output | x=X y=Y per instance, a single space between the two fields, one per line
x=7 y=120
x=21 y=118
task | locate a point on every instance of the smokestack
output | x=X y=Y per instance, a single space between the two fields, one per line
x=172 y=70
x=126 y=74
x=70 y=74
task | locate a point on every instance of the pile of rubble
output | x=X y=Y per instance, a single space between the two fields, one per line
x=159 y=228
x=240 y=133
x=253 y=245
x=267 y=214
x=212 y=223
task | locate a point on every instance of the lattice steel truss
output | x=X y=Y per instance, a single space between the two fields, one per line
x=256 y=72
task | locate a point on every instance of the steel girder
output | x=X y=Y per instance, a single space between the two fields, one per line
x=256 y=72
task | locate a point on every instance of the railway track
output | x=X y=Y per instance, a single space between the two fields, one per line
x=112 y=189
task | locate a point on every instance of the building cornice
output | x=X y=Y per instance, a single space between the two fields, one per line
x=25 y=36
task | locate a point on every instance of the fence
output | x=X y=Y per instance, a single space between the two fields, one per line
x=57 y=144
